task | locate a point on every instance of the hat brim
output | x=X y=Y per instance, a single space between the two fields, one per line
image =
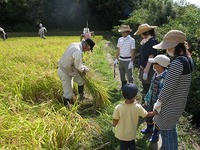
x=140 y=31
x=165 y=45
x=151 y=60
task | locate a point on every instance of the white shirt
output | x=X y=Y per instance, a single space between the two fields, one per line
x=126 y=45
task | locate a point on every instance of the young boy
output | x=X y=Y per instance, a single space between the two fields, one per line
x=160 y=63
x=126 y=116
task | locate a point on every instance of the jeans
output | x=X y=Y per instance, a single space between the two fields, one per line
x=127 y=145
x=169 y=139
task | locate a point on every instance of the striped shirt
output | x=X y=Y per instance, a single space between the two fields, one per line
x=174 y=93
x=126 y=45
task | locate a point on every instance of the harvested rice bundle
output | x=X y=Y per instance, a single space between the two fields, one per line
x=97 y=91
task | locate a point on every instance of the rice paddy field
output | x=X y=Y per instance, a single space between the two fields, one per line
x=32 y=115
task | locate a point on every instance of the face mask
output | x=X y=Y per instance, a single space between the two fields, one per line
x=170 y=53
x=154 y=69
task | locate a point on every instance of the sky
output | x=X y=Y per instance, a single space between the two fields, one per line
x=196 y=2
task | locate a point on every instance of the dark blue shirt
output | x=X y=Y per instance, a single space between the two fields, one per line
x=146 y=50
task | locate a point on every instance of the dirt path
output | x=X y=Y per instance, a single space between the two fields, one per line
x=111 y=61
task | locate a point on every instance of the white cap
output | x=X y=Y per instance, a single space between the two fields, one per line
x=162 y=60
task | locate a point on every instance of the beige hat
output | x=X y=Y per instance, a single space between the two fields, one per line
x=144 y=28
x=161 y=60
x=125 y=28
x=171 y=39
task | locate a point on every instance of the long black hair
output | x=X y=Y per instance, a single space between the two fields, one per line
x=180 y=49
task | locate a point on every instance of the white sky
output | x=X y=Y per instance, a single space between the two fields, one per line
x=196 y=2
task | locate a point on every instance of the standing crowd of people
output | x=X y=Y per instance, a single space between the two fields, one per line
x=165 y=86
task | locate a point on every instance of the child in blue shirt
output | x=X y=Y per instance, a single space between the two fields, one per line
x=160 y=64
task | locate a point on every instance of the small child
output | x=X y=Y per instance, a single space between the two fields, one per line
x=160 y=64
x=42 y=31
x=126 y=116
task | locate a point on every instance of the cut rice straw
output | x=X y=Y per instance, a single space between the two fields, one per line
x=97 y=90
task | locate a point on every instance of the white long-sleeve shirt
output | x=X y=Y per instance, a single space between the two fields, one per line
x=71 y=61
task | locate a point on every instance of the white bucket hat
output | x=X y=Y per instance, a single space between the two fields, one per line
x=171 y=40
x=162 y=60
x=125 y=28
x=144 y=28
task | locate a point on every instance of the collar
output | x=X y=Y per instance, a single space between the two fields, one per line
x=162 y=74
x=125 y=38
x=145 y=40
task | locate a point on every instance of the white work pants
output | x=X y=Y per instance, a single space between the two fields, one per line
x=67 y=83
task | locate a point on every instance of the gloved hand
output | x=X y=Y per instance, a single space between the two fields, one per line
x=116 y=61
x=157 y=106
x=86 y=69
x=145 y=76
x=130 y=65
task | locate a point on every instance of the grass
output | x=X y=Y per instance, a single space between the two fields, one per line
x=32 y=115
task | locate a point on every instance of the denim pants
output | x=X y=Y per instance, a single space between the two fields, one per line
x=169 y=139
x=127 y=145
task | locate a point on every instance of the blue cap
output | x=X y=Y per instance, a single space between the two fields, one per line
x=129 y=91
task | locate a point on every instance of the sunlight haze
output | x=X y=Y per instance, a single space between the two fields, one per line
x=196 y=2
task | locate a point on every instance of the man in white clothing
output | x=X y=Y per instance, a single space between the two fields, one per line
x=70 y=66
x=4 y=36
x=125 y=54
x=42 y=31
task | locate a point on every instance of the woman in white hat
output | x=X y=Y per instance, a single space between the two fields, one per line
x=147 y=51
x=172 y=98
x=125 y=55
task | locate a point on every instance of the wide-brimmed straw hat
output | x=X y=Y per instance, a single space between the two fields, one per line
x=144 y=28
x=171 y=40
x=125 y=28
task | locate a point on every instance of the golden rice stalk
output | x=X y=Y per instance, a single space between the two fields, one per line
x=98 y=92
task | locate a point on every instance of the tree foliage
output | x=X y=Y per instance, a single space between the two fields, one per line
x=64 y=14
